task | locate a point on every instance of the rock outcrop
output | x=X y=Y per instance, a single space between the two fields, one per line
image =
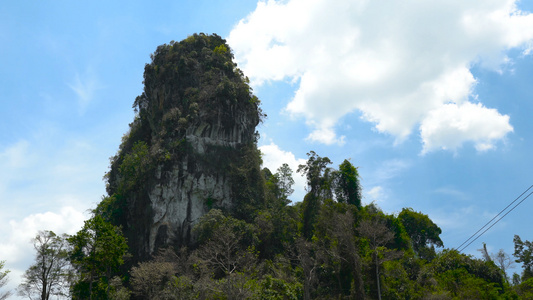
x=191 y=147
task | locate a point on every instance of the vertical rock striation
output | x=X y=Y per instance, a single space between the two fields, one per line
x=191 y=147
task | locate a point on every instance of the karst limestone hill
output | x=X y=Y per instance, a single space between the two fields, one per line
x=191 y=147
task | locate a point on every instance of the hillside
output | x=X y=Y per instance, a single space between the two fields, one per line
x=190 y=213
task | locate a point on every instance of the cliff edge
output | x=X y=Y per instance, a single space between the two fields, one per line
x=191 y=147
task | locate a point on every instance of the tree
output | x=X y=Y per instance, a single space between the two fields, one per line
x=400 y=278
x=228 y=243
x=319 y=183
x=276 y=228
x=3 y=280
x=276 y=288
x=279 y=185
x=98 y=249
x=50 y=273
x=464 y=277
x=166 y=276
x=285 y=182
x=422 y=231
x=117 y=290
x=318 y=174
x=150 y=278
x=523 y=251
x=524 y=290
x=504 y=261
x=308 y=264
x=516 y=279
x=378 y=235
x=347 y=186
x=181 y=288
x=336 y=239
x=485 y=253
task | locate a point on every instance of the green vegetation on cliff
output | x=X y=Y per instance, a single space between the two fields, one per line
x=189 y=84
x=191 y=147
x=190 y=214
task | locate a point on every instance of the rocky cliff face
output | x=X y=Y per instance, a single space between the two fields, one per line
x=191 y=147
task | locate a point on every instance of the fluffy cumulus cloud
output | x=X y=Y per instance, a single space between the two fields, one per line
x=376 y=194
x=471 y=121
x=45 y=188
x=403 y=65
x=15 y=245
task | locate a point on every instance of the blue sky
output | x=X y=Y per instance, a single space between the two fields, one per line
x=432 y=102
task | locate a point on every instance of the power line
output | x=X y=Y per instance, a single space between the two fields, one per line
x=495 y=222
x=494 y=217
x=473 y=235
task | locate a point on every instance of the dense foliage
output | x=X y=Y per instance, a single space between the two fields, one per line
x=98 y=250
x=326 y=246
x=351 y=252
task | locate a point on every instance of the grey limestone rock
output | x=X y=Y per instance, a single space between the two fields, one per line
x=196 y=121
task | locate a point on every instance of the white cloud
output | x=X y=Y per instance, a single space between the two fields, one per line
x=401 y=63
x=472 y=122
x=15 y=156
x=376 y=194
x=35 y=177
x=274 y=157
x=67 y=220
x=14 y=159
x=326 y=136
x=16 y=247
x=48 y=181
x=390 y=169
x=85 y=86
x=452 y=193
x=45 y=188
